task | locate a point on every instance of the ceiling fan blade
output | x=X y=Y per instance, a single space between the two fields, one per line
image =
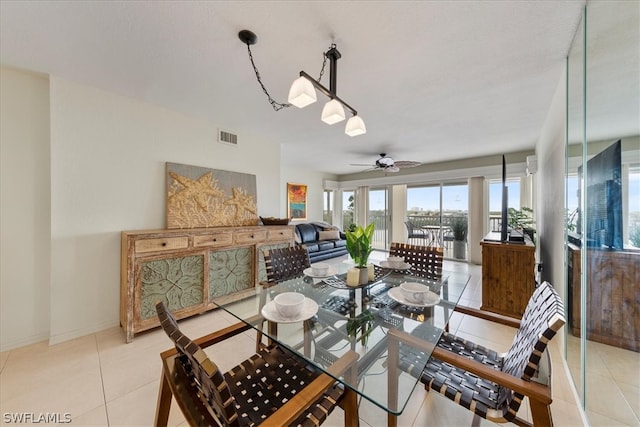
x=406 y=164
x=362 y=164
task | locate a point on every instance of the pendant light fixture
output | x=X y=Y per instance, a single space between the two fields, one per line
x=303 y=90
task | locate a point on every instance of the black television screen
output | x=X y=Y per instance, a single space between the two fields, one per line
x=604 y=199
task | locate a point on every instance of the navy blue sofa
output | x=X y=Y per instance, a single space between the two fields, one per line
x=323 y=241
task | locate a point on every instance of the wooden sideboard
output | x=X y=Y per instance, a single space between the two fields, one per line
x=508 y=276
x=187 y=268
x=613 y=296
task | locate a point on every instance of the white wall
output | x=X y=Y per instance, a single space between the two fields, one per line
x=25 y=208
x=550 y=150
x=107 y=156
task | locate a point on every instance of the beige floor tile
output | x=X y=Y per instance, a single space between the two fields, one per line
x=565 y=414
x=93 y=418
x=62 y=378
x=136 y=408
x=74 y=392
x=127 y=367
x=632 y=395
x=438 y=411
x=335 y=419
x=605 y=398
x=621 y=363
x=495 y=336
x=376 y=416
x=599 y=420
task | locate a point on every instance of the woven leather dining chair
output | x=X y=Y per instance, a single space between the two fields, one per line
x=285 y=263
x=490 y=384
x=426 y=261
x=273 y=386
x=281 y=264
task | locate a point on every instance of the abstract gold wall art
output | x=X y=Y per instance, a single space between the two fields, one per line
x=203 y=197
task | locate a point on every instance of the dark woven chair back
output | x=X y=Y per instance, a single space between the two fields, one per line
x=285 y=263
x=543 y=317
x=200 y=371
x=426 y=261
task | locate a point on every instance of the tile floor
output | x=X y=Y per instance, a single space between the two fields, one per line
x=98 y=380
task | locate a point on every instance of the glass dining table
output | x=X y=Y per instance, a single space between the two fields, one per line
x=337 y=318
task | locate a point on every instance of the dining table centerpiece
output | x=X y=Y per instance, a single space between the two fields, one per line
x=359 y=248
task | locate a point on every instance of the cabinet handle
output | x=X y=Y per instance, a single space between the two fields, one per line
x=252 y=236
x=164 y=243
x=215 y=240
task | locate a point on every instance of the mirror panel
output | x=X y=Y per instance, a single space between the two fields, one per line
x=603 y=236
x=574 y=150
x=611 y=256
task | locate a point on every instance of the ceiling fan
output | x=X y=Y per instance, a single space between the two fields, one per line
x=387 y=164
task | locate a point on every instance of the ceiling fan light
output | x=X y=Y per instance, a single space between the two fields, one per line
x=302 y=93
x=355 y=126
x=333 y=112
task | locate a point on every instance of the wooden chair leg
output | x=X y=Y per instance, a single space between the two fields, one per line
x=541 y=413
x=164 y=402
x=350 y=408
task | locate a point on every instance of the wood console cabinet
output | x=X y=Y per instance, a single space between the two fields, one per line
x=613 y=296
x=508 y=277
x=188 y=268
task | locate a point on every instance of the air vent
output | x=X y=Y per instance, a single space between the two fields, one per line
x=227 y=137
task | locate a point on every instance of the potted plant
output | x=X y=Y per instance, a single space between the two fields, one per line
x=522 y=220
x=359 y=248
x=459 y=226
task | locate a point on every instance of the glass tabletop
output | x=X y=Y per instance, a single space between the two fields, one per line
x=337 y=318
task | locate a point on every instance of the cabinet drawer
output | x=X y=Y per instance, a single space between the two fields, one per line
x=161 y=244
x=251 y=236
x=209 y=240
x=284 y=234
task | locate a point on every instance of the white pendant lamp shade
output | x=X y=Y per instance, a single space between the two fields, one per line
x=333 y=112
x=302 y=93
x=355 y=126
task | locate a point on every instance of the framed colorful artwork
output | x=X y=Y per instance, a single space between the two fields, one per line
x=296 y=201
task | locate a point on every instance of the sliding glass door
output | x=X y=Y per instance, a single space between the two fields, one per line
x=378 y=213
x=440 y=210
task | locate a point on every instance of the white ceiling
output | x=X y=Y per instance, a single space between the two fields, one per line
x=433 y=80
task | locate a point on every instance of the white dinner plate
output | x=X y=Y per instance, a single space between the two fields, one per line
x=404 y=266
x=309 y=272
x=309 y=309
x=396 y=295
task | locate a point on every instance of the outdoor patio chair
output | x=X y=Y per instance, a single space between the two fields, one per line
x=273 y=386
x=413 y=232
x=489 y=384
